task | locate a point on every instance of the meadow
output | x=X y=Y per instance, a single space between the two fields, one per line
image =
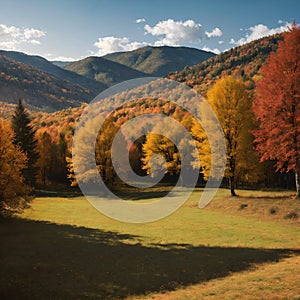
x=245 y=247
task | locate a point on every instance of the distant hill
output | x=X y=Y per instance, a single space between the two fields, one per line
x=60 y=63
x=44 y=65
x=103 y=70
x=39 y=90
x=159 y=61
x=244 y=61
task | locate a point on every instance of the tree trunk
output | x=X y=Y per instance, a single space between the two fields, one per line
x=231 y=185
x=231 y=178
x=297 y=177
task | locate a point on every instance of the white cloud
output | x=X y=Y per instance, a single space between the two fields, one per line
x=220 y=42
x=140 y=20
x=9 y=31
x=112 y=44
x=175 y=33
x=33 y=33
x=258 y=31
x=11 y=36
x=215 y=50
x=217 y=32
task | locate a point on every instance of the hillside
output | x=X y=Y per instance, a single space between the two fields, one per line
x=243 y=61
x=159 y=61
x=44 y=65
x=103 y=70
x=39 y=90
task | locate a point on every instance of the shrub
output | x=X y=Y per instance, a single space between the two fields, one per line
x=291 y=215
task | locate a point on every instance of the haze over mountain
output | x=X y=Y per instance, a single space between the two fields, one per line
x=103 y=70
x=160 y=61
x=60 y=63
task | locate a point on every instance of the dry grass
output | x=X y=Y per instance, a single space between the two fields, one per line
x=277 y=280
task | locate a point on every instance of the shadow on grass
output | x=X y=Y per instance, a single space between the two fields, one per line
x=41 y=260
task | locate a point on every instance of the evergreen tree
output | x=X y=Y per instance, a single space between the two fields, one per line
x=24 y=138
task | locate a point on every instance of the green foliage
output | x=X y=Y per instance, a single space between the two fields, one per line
x=159 y=61
x=103 y=70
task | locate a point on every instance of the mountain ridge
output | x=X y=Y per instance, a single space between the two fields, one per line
x=44 y=65
x=160 y=61
x=103 y=70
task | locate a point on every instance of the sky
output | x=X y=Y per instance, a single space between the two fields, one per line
x=71 y=30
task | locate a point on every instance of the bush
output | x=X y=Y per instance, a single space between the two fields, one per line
x=243 y=206
x=273 y=210
x=291 y=215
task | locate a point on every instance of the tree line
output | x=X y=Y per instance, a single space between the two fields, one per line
x=261 y=129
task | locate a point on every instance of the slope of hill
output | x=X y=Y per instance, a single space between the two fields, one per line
x=160 y=61
x=44 y=65
x=103 y=70
x=39 y=90
x=244 y=61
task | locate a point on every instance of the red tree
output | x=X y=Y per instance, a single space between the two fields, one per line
x=277 y=106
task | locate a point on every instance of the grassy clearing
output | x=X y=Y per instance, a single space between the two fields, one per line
x=278 y=280
x=63 y=248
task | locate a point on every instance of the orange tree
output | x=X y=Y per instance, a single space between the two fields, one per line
x=277 y=106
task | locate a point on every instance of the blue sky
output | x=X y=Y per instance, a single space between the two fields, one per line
x=68 y=30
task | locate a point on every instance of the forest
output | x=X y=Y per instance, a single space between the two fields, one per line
x=257 y=106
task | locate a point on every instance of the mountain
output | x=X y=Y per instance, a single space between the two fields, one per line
x=244 y=62
x=44 y=65
x=39 y=90
x=160 y=61
x=103 y=70
x=59 y=63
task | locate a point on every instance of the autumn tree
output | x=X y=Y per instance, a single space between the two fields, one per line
x=231 y=103
x=101 y=149
x=24 y=138
x=12 y=162
x=277 y=106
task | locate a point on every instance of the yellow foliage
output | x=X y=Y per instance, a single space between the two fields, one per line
x=12 y=162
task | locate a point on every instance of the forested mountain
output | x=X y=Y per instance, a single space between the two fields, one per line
x=159 y=61
x=39 y=90
x=244 y=61
x=46 y=92
x=103 y=70
x=44 y=65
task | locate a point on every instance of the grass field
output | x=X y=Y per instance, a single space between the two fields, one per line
x=236 y=248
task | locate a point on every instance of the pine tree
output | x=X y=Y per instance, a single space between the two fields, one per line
x=24 y=138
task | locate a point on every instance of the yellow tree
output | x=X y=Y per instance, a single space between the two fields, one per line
x=231 y=103
x=44 y=162
x=12 y=162
x=158 y=144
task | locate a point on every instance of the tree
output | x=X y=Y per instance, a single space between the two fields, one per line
x=45 y=160
x=24 y=138
x=231 y=103
x=277 y=106
x=12 y=162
